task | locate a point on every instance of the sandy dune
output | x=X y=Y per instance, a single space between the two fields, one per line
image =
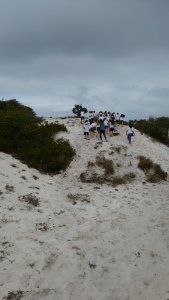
x=85 y=241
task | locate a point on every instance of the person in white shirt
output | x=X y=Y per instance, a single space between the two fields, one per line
x=130 y=133
x=86 y=130
x=106 y=125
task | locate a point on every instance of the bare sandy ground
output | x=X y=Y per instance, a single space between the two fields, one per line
x=85 y=241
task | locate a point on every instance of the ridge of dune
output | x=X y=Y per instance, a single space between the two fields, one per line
x=85 y=240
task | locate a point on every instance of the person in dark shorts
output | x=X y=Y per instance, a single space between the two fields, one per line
x=102 y=130
x=130 y=133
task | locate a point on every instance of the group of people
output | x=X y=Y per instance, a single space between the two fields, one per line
x=103 y=124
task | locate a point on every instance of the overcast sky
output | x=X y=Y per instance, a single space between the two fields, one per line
x=103 y=54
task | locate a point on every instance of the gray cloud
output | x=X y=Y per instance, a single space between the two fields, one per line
x=109 y=54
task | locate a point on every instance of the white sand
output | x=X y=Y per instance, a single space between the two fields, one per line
x=113 y=244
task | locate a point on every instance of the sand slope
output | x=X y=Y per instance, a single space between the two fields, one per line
x=85 y=241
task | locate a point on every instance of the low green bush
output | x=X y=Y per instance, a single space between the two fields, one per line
x=24 y=136
x=156 y=128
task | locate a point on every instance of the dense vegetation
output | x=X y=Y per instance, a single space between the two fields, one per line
x=157 y=128
x=23 y=135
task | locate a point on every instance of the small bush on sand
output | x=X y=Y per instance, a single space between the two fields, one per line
x=91 y=178
x=30 y=199
x=108 y=177
x=78 y=197
x=14 y=295
x=153 y=172
x=156 y=174
x=111 y=180
x=9 y=188
x=23 y=135
x=159 y=172
x=106 y=164
x=90 y=164
x=118 y=150
x=127 y=178
x=145 y=164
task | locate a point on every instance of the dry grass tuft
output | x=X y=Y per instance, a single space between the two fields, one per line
x=78 y=197
x=145 y=164
x=91 y=164
x=97 y=145
x=153 y=172
x=90 y=176
x=106 y=164
x=14 y=295
x=111 y=180
x=30 y=199
x=42 y=226
x=9 y=188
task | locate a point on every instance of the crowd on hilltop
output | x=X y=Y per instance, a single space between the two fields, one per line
x=101 y=124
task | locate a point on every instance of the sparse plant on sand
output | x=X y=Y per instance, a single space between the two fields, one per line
x=127 y=178
x=153 y=171
x=108 y=177
x=145 y=164
x=30 y=199
x=9 y=188
x=91 y=164
x=14 y=295
x=78 y=197
x=106 y=164
x=42 y=226
x=23 y=177
x=98 y=144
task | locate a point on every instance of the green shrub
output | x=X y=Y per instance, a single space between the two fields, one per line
x=157 y=128
x=23 y=136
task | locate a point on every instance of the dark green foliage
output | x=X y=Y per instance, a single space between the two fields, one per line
x=157 y=128
x=77 y=110
x=23 y=136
